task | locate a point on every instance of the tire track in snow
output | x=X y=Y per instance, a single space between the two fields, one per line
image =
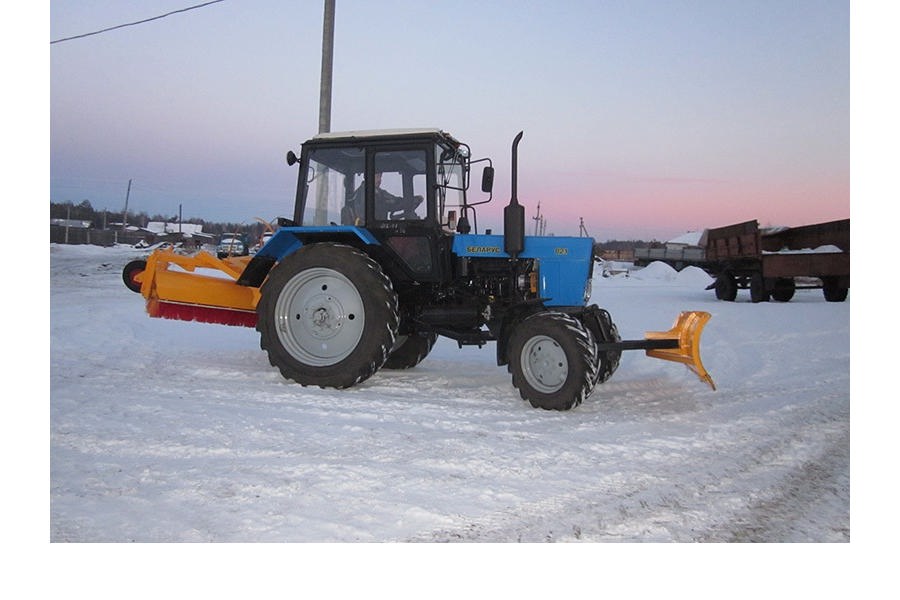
x=801 y=478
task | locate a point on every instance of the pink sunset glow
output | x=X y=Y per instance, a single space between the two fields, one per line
x=646 y=118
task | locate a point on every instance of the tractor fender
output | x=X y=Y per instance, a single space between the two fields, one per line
x=508 y=324
x=288 y=240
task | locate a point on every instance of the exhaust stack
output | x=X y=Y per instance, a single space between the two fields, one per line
x=514 y=213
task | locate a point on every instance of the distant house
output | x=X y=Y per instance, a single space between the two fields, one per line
x=71 y=223
x=691 y=239
x=70 y=231
x=164 y=228
x=189 y=233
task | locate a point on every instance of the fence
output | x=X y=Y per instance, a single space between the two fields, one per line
x=678 y=258
x=99 y=237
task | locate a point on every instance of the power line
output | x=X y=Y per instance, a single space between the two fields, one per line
x=181 y=10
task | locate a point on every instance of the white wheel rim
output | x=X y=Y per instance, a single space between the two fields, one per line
x=544 y=364
x=319 y=317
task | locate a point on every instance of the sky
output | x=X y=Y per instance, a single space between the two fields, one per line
x=644 y=118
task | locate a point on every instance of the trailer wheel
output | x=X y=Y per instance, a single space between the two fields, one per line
x=726 y=287
x=758 y=291
x=552 y=361
x=784 y=290
x=131 y=270
x=410 y=350
x=833 y=290
x=327 y=316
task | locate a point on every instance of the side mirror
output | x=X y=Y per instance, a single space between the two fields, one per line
x=291 y=158
x=487 y=180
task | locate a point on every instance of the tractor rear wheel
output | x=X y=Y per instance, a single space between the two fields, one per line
x=410 y=350
x=553 y=361
x=327 y=316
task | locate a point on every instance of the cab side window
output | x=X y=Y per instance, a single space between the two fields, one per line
x=400 y=185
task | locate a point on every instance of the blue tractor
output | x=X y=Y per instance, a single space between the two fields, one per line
x=383 y=255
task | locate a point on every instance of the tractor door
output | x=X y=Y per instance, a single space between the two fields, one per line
x=400 y=212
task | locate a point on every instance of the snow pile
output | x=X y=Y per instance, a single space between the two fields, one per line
x=826 y=249
x=694 y=277
x=656 y=271
x=691 y=238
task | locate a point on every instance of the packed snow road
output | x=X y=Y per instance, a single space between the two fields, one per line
x=174 y=431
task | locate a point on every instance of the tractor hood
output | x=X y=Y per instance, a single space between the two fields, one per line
x=563 y=261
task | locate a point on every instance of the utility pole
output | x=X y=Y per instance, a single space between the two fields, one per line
x=537 y=218
x=321 y=216
x=125 y=214
x=327 y=68
x=582 y=232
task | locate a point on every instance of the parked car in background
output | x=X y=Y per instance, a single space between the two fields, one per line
x=231 y=245
x=262 y=242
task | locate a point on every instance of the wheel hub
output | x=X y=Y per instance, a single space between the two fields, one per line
x=544 y=364
x=320 y=316
x=325 y=316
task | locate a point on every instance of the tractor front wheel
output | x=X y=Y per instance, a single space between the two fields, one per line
x=553 y=361
x=608 y=360
x=327 y=316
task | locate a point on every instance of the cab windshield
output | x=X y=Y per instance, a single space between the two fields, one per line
x=332 y=177
x=336 y=191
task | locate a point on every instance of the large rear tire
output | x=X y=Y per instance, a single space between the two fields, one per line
x=410 y=350
x=327 y=316
x=553 y=361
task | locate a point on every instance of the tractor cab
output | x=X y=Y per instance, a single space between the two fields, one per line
x=404 y=188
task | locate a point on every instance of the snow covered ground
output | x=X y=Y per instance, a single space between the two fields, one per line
x=168 y=431
x=173 y=431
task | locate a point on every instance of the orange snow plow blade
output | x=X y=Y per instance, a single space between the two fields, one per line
x=188 y=296
x=686 y=330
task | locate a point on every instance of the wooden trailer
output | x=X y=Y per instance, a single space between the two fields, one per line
x=773 y=263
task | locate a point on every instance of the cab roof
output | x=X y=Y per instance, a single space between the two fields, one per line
x=373 y=134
